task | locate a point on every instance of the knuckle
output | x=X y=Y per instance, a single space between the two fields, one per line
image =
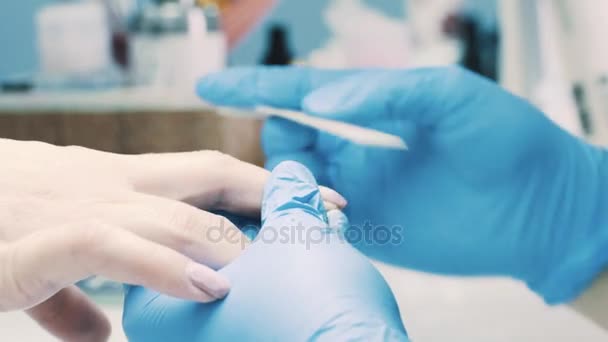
x=186 y=221
x=88 y=237
x=218 y=168
x=218 y=158
x=88 y=245
x=75 y=150
x=195 y=227
x=84 y=152
x=217 y=226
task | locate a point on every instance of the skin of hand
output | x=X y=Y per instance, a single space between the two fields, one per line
x=489 y=185
x=300 y=280
x=67 y=213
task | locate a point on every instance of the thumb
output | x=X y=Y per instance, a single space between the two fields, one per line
x=292 y=198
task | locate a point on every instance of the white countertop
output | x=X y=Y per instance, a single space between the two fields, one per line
x=434 y=308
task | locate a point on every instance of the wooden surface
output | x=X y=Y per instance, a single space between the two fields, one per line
x=134 y=133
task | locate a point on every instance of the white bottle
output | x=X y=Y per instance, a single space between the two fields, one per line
x=208 y=47
x=74 y=42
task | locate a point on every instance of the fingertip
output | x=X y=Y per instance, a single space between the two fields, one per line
x=330 y=206
x=291 y=186
x=210 y=282
x=333 y=196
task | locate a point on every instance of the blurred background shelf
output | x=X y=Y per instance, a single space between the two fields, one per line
x=127 y=121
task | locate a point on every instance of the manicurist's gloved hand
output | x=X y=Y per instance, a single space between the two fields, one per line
x=490 y=186
x=300 y=280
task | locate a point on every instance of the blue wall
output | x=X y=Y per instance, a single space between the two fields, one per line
x=17 y=37
x=307 y=31
x=306 y=27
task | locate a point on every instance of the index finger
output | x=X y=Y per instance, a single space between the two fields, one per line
x=283 y=87
x=206 y=179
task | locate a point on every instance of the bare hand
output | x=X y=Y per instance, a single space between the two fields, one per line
x=67 y=213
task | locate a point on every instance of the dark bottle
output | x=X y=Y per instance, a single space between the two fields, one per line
x=277 y=51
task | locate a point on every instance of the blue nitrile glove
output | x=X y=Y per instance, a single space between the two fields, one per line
x=490 y=186
x=300 y=280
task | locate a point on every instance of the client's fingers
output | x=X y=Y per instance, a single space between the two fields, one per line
x=41 y=264
x=207 y=238
x=332 y=199
x=70 y=316
x=207 y=179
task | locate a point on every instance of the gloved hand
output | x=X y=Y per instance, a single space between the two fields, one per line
x=299 y=280
x=490 y=186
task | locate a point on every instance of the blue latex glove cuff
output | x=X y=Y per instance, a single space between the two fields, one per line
x=571 y=277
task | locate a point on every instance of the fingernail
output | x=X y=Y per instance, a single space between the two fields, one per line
x=337 y=199
x=208 y=280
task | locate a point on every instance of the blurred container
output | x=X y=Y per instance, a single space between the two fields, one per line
x=175 y=43
x=277 y=51
x=208 y=47
x=158 y=44
x=74 y=46
x=583 y=35
x=120 y=13
x=430 y=44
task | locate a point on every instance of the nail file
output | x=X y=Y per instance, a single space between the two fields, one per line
x=356 y=134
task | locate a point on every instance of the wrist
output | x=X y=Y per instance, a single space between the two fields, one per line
x=583 y=230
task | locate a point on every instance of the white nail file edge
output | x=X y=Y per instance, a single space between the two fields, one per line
x=357 y=134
